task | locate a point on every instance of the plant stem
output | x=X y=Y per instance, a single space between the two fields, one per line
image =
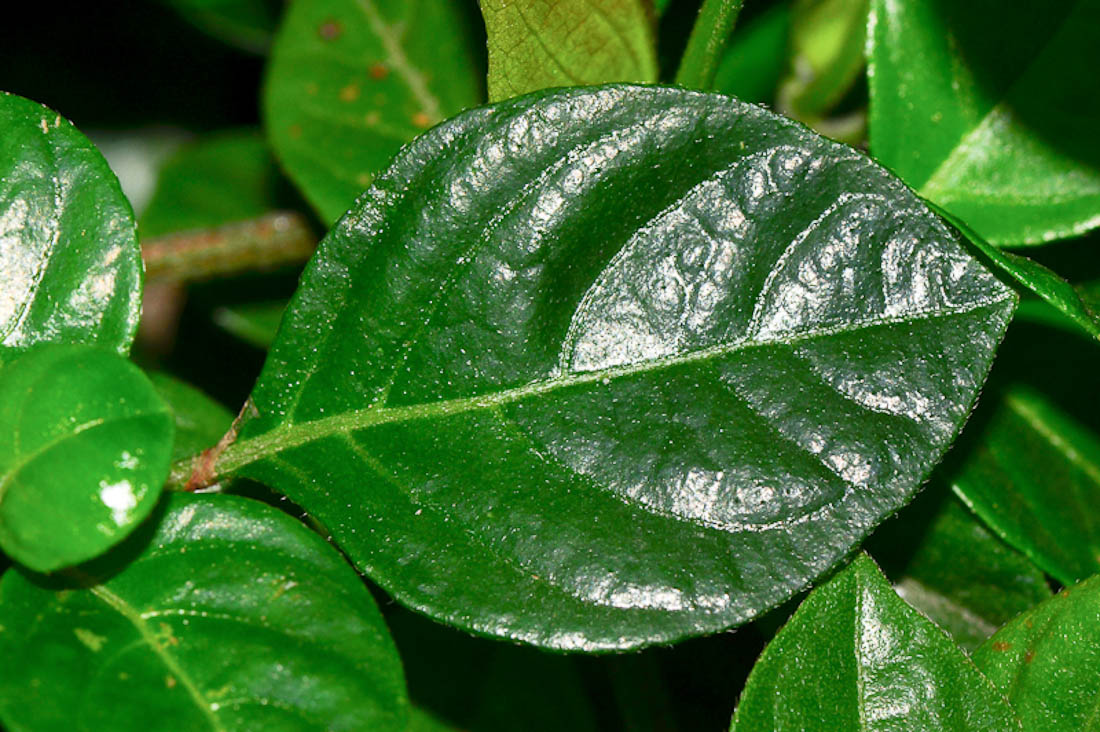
x=273 y=239
x=708 y=39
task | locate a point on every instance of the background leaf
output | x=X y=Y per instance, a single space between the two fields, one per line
x=946 y=564
x=827 y=39
x=538 y=44
x=754 y=61
x=68 y=252
x=200 y=421
x=350 y=81
x=660 y=449
x=85 y=445
x=855 y=656
x=989 y=109
x=1047 y=661
x=246 y=24
x=230 y=615
x=255 y=323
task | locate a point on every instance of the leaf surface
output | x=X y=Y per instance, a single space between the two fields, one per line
x=1047 y=661
x=603 y=367
x=997 y=120
x=70 y=263
x=855 y=656
x=200 y=421
x=230 y=616
x=1033 y=475
x=350 y=81
x=85 y=446
x=538 y=44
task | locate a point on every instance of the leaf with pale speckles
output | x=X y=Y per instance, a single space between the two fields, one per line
x=1047 y=661
x=537 y=44
x=350 y=81
x=85 y=445
x=70 y=266
x=855 y=656
x=225 y=614
x=629 y=364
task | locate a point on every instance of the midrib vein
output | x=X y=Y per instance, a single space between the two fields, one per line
x=291 y=435
x=123 y=608
x=395 y=54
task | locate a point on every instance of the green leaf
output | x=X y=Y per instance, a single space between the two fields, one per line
x=68 y=252
x=752 y=65
x=855 y=656
x=1033 y=475
x=350 y=81
x=538 y=44
x=220 y=179
x=1047 y=661
x=949 y=566
x=989 y=109
x=85 y=446
x=254 y=322
x=200 y=421
x=827 y=41
x=246 y=24
x=230 y=615
x=603 y=367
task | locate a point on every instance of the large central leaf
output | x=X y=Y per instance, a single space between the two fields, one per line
x=602 y=367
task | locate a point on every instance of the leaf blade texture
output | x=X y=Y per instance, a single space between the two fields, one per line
x=85 y=446
x=230 y=615
x=71 y=264
x=855 y=656
x=565 y=444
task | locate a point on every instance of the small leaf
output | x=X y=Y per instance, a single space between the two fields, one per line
x=230 y=615
x=85 y=445
x=604 y=367
x=949 y=566
x=827 y=40
x=1033 y=475
x=245 y=24
x=350 y=81
x=989 y=109
x=752 y=64
x=68 y=251
x=855 y=656
x=216 y=180
x=200 y=421
x=254 y=322
x=1047 y=661
x=538 y=44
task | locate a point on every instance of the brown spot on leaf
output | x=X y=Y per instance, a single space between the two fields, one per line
x=372 y=118
x=379 y=72
x=312 y=89
x=1029 y=656
x=349 y=93
x=363 y=179
x=330 y=30
x=1001 y=646
x=421 y=120
x=1029 y=623
x=295 y=131
x=170 y=681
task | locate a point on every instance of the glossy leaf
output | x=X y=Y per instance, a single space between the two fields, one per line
x=1047 y=661
x=945 y=563
x=997 y=121
x=827 y=39
x=538 y=44
x=630 y=364
x=1034 y=477
x=200 y=421
x=752 y=64
x=350 y=81
x=69 y=258
x=217 y=180
x=255 y=322
x=231 y=615
x=85 y=446
x=855 y=656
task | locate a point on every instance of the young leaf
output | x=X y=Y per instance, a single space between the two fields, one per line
x=752 y=65
x=255 y=322
x=537 y=44
x=69 y=257
x=1034 y=477
x=989 y=109
x=827 y=40
x=350 y=81
x=231 y=615
x=200 y=421
x=217 y=180
x=85 y=446
x=603 y=367
x=949 y=566
x=855 y=656
x=1047 y=661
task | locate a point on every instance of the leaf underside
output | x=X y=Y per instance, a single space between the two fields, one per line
x=603 y=367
